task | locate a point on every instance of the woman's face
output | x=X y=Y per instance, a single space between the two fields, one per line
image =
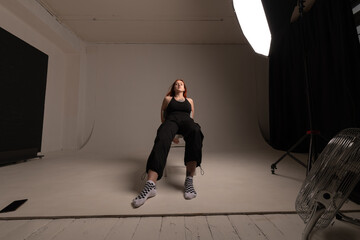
x=179 y=86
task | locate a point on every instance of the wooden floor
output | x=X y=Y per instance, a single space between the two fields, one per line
x=252 y=227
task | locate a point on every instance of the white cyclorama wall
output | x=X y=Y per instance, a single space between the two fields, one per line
x=109 y=96
x=127 y=83
x=31 y=23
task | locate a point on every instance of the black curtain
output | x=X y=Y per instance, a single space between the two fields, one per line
x=326 y=41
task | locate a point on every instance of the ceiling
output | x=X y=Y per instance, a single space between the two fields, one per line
x=149 y=21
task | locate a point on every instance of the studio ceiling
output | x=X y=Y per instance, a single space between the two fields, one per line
x=149 y=21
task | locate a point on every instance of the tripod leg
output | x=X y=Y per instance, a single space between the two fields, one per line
x=273 y=166
x=297 y=160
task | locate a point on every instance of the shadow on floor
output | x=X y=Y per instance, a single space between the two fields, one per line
x=289 y=177
x=334 y=233
x=136 y=176
x=174 y=173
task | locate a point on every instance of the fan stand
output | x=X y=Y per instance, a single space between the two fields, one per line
x=318 y=212
x=323 y=199
x=342 y=217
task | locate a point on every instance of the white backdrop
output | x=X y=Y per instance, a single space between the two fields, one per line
x=127 y=83
x=118 y=89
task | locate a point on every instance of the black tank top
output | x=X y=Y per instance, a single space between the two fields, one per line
x=178 y=108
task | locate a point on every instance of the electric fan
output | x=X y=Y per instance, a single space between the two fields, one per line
x=330 y=181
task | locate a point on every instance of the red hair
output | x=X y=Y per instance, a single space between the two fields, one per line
x=171 y=92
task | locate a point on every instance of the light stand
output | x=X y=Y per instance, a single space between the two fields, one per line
x=310 y=133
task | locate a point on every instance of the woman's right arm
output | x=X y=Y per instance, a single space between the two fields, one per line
x=164 y=106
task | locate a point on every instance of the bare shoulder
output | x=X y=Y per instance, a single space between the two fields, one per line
x=167 y=99
x=165 y=103
x=190 y=100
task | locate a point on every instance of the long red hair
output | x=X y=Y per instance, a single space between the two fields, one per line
x=171 y=92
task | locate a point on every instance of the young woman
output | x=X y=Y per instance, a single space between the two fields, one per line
x=177 y=113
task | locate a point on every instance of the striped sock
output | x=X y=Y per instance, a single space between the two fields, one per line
x=189 y=191
x=148 y=191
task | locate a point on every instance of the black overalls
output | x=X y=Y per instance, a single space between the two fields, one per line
x=177 y=121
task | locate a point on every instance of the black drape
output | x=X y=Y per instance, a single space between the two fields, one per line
x=325 y=40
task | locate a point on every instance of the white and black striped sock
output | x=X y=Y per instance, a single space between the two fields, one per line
x=148 y=191
x=189 y=191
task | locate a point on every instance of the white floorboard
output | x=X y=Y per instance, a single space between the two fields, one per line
x=7 y=227
x=124 y=228
x=148 y=228
x=172 y=228
x=270 y=230
x=196 y=227
x=50 y=230
x=244 y=227
x=287 y=225
x=87 y=229
x=221 y=228
x=25 y=230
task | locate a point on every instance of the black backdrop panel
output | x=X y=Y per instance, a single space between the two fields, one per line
x=23 y=71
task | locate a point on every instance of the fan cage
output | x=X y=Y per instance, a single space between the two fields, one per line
x=336 y=173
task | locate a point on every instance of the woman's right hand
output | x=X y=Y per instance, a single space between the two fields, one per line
x=176 y=140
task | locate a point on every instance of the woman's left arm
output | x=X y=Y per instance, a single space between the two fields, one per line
x=192 y=108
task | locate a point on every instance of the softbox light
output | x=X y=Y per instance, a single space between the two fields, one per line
x=253 y=22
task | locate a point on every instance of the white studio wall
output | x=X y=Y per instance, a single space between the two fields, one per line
x=31 y=23
x=127 y=83
x=107 y=97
